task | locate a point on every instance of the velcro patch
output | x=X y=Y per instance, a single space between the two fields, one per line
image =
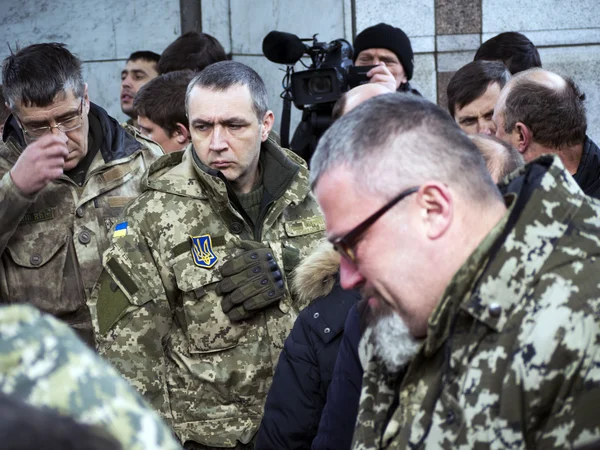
x=304 y=226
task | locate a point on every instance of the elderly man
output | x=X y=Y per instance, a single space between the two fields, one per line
x=67 y=169
x=498 y=300
x=195 y=306
x=472 y=95
x=541 y=112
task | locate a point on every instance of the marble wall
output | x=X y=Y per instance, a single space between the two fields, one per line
x=444 y=34
x=101 y=33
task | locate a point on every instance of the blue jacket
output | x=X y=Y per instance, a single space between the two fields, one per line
x=299 y=390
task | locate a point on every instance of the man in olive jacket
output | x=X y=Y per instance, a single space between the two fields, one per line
x=499 y=295
x=194 y=306
x=67 y=169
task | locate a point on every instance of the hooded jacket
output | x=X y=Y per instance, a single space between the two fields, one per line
x=511 y=357
x=305 y=369
x=160 y=320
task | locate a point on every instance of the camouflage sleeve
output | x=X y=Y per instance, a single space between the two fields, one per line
x=13 y=206
x=132 y=316
x=557 y=361
x=43 y=363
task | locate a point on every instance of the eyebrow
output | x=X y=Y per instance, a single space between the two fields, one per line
x=229 y=121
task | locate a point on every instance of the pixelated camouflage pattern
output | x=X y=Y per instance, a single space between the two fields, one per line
x=208 y=376
x=512 y=355
x=43 y=363
x=51 y=245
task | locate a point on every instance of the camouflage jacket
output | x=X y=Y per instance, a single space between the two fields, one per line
x=159 y=319
x=512 y=355
x=51 y=244
x=44 y=364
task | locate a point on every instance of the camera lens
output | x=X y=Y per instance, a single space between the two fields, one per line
x=319 y=85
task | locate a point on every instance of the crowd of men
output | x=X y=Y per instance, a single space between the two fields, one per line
x=183 y=281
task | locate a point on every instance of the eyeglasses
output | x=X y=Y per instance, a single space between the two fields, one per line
x=69 y=124
x=345 y=245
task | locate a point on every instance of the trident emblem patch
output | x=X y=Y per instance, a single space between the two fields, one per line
x=202 y=251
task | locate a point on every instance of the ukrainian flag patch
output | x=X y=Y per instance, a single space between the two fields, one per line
x=120 y=229
x=202 y=251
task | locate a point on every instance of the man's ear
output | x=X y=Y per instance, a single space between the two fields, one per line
x=181 y=134
x=437 y=207
x=267 y=125
x=522 y=137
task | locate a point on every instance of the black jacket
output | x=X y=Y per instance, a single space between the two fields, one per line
x=588 y=172
x=299 y=390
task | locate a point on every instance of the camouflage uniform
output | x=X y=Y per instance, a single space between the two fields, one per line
x=45 y=365
x=512 y=355
x=160 y=321
x=51 y=244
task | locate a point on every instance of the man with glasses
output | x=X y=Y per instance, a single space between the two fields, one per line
x=499 y=294
x=67 y=169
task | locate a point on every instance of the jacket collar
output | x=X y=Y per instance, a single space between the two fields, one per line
x=180 y=173
x=547 y=199
x=588 y=172
x=115 y=142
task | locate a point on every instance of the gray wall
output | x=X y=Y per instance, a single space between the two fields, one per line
x=444 y=33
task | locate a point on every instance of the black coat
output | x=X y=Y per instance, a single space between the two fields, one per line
x=299 y=390
x=588 y=172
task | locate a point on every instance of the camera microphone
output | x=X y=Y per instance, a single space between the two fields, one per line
x=283 y=48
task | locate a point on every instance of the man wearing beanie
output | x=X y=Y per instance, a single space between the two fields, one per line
x=389 y=48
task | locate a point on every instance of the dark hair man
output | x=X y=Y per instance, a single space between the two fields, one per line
x=498 y=289
x=389 y=48
x=541 y=112
x=141 y=67
x=160 y=107
x=44 y=364
x=67 y=169
x=191 y=51
x=202 y=265
x=500 y=158
x=514 y=49
x=472 y=94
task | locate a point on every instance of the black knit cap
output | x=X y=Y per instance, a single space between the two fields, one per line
x=391 y=38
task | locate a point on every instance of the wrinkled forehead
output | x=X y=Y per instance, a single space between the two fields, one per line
x=233 y=101
x=63 y=102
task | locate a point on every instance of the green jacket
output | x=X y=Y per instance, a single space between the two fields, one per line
x=44 y=364
x=512 y=354
x=159 y=320
x=51 y=244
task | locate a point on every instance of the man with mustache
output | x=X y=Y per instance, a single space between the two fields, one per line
x=500 y=289
x=194 y=305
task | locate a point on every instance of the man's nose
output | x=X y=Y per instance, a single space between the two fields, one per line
x=350 y=277
x=487 y=127
x=126 y=82
x=217 y=139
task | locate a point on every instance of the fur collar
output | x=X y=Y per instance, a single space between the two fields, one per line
x=317 y=274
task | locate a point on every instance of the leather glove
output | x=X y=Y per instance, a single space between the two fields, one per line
x=251 y=281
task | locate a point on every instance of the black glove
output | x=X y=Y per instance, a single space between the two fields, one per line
x=251 y=281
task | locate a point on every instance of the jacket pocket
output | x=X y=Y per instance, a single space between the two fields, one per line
x=207 y=327
x=40 y=272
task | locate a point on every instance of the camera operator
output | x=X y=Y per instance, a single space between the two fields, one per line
x=389 y=49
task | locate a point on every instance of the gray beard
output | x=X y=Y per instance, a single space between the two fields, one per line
x=392 y=342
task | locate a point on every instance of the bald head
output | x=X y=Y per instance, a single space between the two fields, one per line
x=500 y=157
x=356 y=96
x=541 y=112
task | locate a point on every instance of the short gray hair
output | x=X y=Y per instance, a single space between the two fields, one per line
x=394 y=141
x=225 y=74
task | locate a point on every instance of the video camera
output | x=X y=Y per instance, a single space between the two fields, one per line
x=315 y=90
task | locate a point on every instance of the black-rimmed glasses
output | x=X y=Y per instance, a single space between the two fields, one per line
x=344 y=245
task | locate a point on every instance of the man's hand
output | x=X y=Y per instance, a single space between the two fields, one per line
x=40 y=163
x=251 y=281
x=382 y=75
